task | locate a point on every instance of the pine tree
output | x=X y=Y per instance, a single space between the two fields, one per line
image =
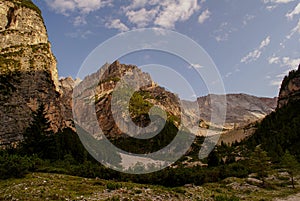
x=260 y=163
x=291 y=164
x=37 y=137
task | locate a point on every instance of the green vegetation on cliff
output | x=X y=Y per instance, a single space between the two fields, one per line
x=28 y=4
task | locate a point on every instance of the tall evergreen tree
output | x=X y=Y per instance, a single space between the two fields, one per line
x=291 y=164
x=37 y=137
x=260 y=163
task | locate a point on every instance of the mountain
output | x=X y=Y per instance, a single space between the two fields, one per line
x=99 y=87
x=28 y=73
x=279 y=132
x=290 y=88
x=242 y=109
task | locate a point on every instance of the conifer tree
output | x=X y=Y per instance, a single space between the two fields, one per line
x=260 y=163
x=291 y=164
x=37 y=137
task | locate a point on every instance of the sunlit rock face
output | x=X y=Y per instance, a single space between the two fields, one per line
x=28 y=71
x=290 y=88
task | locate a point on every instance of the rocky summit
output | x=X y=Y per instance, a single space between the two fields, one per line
x=290 y=88
x=28 y=71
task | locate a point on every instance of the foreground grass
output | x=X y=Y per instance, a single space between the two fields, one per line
x=45 y=186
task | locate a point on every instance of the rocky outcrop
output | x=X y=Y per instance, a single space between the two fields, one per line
x=28 y=74
x=290 y=88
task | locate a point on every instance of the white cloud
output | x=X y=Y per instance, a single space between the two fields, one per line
x=296 y=11
x=79 y=20
x=136 y=4
x=247 y=18
x=265 y=43
x=141 y=17
x=197 y=66
x=276 y=82
x=116 y=24
x=274 y=60
x=290 y=63
x=157 y=13
x=82 y=6
x=278 y=1
x=204 y=16
x=272 y=4
x=296 y=29
x=252 y=56
x=223 y=32
x=163 y=14
x=175 y=11
x=272 y=7
x=255 y=54
x=80 y=34
x=287 y=62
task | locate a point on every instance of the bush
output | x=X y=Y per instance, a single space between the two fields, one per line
x=14 y=166
x=113 y=186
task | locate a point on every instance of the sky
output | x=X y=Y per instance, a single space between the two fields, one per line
x=253 y=43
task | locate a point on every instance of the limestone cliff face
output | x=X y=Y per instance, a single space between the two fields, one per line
x=290 y=88
x=28 y=74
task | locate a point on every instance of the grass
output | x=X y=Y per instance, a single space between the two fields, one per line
x=45 y=186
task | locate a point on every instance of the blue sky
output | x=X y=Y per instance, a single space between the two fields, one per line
x=253 y=43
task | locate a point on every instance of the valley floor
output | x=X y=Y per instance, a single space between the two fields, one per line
x=45 y=186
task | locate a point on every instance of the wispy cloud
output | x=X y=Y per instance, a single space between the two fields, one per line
x=197 y=66
x=278 y=1
x=255 y=54
x=296 y=29
x=82 y=6
x=205 y=15
x=272 y=4
x=273 y=60
x=79 y=20
x=116 y=24
x=247 y=18
x=79 y=34
x=294 y=12
x=223 y=32
x=290 y=63
x=287 y=64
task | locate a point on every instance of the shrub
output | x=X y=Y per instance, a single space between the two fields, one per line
x=113 y=186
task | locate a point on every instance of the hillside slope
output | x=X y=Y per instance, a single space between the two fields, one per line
x=280 y=131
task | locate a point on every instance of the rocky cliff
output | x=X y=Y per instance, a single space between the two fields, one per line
x=28 y=74
x=290 y=88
